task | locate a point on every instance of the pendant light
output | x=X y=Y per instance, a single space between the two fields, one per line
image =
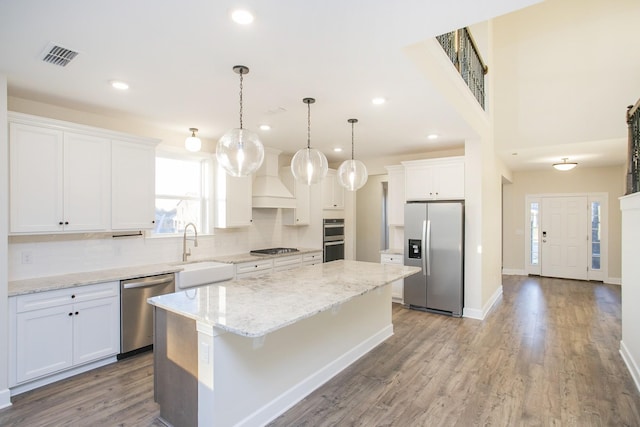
x=352 y=174
x=193 y=143
x=239 y=151
x=308 y=164
x=565 y=166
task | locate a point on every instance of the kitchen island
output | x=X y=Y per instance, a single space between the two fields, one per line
x=244 y=351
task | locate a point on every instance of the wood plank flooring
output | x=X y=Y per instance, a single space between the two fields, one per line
x=547 y=355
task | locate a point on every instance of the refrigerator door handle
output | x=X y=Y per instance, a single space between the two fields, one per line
x=424 y=248
x=428 y=248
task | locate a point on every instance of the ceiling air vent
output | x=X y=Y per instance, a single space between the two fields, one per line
x=58 y=55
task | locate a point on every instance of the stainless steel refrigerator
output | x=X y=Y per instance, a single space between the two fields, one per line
x=434 y=241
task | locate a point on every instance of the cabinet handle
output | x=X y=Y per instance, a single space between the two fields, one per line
x=76 y=313
x=70 y=314
x=73 y=296
x=60 y=223
x=153 y=222
x=66 y=223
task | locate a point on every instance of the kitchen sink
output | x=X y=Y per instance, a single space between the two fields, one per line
x=203 y=273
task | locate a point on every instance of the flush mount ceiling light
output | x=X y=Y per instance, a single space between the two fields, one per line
x=338 y=150
x=265 y=127
x=378 y=100
x=239 y=151
x=120 y=85
x=565 y=166
x=308 y=164
x=193 y=143
x=242 y=17
x=433 y=136
x=352 y=174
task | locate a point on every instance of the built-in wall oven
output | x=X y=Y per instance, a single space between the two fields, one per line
x=333 y=239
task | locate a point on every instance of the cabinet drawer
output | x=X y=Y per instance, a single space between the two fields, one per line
x=248 y=267
x=310 y=257
x=286 y=261
x=60 y=297
x=391 y=259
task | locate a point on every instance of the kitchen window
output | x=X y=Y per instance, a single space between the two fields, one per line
x=182 y=193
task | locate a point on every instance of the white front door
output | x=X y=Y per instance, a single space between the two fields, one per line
x=564 y=246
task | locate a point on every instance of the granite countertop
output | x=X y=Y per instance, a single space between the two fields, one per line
x=392 y=251
x=247 y=257
x=49 y=283
x=257 y=306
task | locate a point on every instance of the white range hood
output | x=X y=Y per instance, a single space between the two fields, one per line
x=268 y=189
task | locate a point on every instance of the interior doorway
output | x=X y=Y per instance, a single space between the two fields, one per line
x=566 y=235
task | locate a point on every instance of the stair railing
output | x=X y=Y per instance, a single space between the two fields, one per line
x=465 y=56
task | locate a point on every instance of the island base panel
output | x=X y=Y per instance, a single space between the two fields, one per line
x=175 y=365
x=250 y=381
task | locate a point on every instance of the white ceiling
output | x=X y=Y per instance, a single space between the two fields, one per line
x=178 y=56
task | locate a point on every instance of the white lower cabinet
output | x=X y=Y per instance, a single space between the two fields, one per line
x=312 y=258
x=253 y=268
x=287 y=263
x=397 y=287
x=271 y=265
x=57 y=330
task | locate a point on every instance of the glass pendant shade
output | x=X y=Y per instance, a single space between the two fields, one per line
x=565 y=166
x=309 y=166
x=352 y=174
x=193 y=143
x=240 y=152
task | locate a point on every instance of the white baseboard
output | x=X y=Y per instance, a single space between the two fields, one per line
x=474 y=313
x=631 y=364
x=613 y=281
x=513 y=272
x=295 y=394
x=5 y=398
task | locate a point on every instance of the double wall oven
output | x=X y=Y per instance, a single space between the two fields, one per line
x=333 y=239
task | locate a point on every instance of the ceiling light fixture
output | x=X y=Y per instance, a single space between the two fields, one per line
x=352 y=174
x=120 y=85
x=378 y=100
x=265 y=127
x=338 y=150
x=242 y=17
x=433 y=136
x=239 y=151
x=193 y=143
x=565 y=166
x=308 y=164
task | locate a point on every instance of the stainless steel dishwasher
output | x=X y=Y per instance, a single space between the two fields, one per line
x=136 y=316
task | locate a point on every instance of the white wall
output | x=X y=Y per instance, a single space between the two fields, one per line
x=4 y=223
x=630 y=343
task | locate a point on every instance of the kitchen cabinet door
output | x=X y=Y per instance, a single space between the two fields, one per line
x=87 y=182
x=397 y=287
x=44 y=342
x=233 y=200
x=36 y=178
x=395 y=195
x=332 y=192
x=301 y=214
x=434 y=179
x=312 y=258
x=133 y=178
x=96 y=329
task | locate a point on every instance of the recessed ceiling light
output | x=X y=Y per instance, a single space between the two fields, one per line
x=433 y=136
x=378 y=101
x=120 y=85
x=337 y=149
x=242 y=17
x=265 y=127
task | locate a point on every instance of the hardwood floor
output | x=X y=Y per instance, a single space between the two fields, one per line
x=546 y=355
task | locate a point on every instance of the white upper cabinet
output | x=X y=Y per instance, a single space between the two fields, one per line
x=133 y=185
x=63 y=178
x=233 y=200
x=332 y=191
x=301 y=214
x=395 y=195
x=59 y=180
x=434 y=179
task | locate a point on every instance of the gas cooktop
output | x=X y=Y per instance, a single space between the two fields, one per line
x=273 y=251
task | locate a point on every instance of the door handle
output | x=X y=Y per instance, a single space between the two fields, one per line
x=424 y=247
x=428 y=250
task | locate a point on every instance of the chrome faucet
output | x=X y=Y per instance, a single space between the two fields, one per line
x=186 y=254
